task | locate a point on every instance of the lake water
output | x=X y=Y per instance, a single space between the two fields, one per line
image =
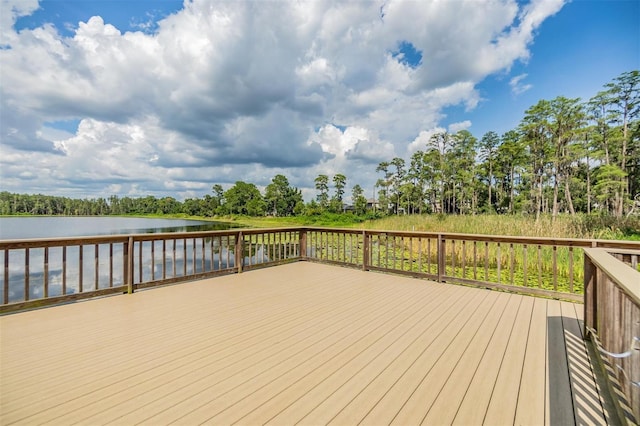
x=18 y=227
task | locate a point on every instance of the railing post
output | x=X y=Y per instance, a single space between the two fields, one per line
x=303 y=244
x=366 y=250
x=442 y=258
x=239 y=255
x=590 y=297
x=128 y=254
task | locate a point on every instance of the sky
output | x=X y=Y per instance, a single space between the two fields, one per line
x=168 y=98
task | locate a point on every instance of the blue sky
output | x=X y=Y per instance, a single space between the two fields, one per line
x=575 y=53
x=158 y=97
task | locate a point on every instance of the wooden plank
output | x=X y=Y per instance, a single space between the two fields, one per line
x=373 y=391
x=474 y=405
x=431 y=384
x=504 y=398
x=457 y=383
x=559 y=403
x=531 y=397
x=387 y=409
x=586 y=401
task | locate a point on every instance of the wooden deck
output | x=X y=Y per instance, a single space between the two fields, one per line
x=300 y=343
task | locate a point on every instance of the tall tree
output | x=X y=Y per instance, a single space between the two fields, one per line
x=322 y=186
x=463 y=167
x=536 y=134
x=359 y=200
x=339 y=183
x=512 y=158
x=384 y=183
x=566 y=118
x=397 y=180
x=625 y=95
x=418 y=177
x=488 y=151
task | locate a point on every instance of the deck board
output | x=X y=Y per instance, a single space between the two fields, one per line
x=299 y=343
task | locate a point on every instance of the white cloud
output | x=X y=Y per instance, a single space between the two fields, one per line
x=517 y=86
x=226 y=91
x=421 y=141
x=462 y=125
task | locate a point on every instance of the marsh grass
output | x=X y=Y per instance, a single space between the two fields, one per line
x=546 y=226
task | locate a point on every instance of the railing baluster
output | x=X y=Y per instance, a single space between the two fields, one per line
x=524 y=265
x=475 y=260
x=26 y=274
x=5 y=284
x=194 y=255
x=45 y=284
x=420 y=254
x=464 y=258
x=555 y=267
x=453 y=257
x=164 y=259
x=96 y=267
x=486 y=261
x=140 y=263
x=499 y=261
x=81 y=268
x=184 y=257
x=153 y=260
x=539 y=266
x=64 y=270
x=411 y=253
x=570 y=269
x=429 y=255
x=5 y=292
x=511 y=260
x=173 y=258
x=203 y=255
x=110 y=265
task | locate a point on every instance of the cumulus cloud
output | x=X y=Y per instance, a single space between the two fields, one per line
x=224 y=91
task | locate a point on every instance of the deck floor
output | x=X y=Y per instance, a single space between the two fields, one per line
x=299 y=343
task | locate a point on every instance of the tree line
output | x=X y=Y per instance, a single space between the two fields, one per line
x=566 y=155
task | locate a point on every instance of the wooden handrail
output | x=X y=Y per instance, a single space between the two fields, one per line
x=612 y=323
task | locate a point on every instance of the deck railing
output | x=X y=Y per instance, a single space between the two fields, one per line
x=47 y=271
x=57 y=270
x=612 y=321
x=549 y=267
